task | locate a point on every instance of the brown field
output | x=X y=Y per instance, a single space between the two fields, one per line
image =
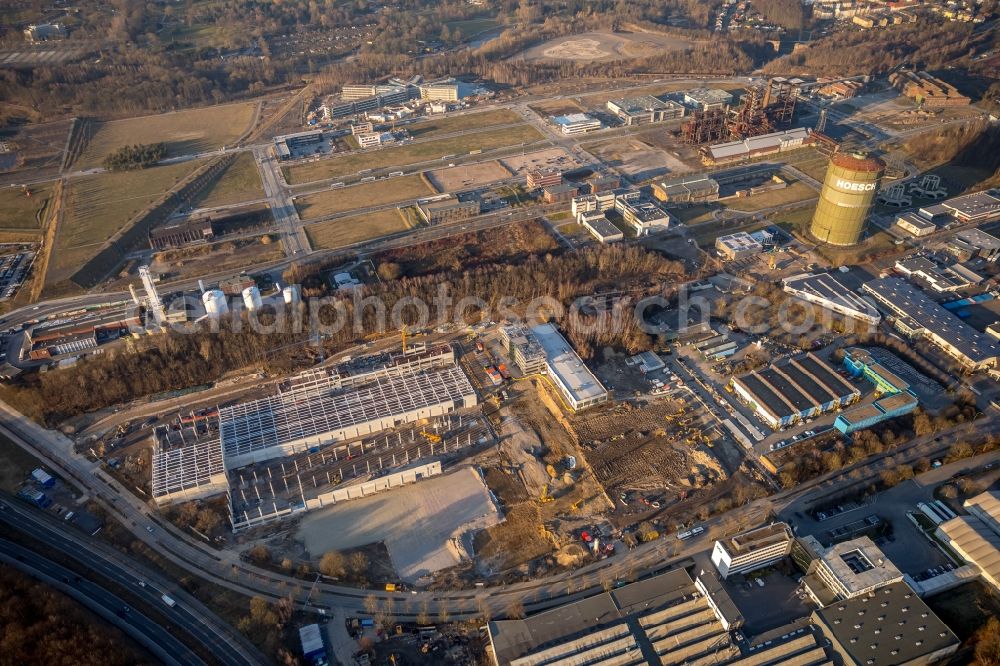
x=225 y=256
x=540 y=158
x=184 y=132
x=402 y=156
x=19 y=211
x=98 y=206
x=349 y=230
x=603 y=46
x=468 y=175
x=467 y=121
x=41 y=146
x=240 y=182
x=341 y=200
x=556 y=107
x=794 y=192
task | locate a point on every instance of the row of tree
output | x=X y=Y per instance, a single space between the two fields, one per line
x=136 y=156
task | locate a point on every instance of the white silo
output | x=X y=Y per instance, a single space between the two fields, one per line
x=290 y=294
x=215 y=303
x=251 y=298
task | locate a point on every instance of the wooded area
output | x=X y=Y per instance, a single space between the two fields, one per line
x=175 y=360
x=39 y=625
x=138 y=156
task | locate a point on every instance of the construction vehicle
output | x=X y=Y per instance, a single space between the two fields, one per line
x=479 y=346
x=552 y=471
x=545 y=498
x=431 y=437
x=504 y=372
x=575 y=506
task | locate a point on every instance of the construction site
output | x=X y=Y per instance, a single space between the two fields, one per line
x=323 y=436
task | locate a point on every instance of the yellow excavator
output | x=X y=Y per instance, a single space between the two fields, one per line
x=545 y=497
x=431 y=437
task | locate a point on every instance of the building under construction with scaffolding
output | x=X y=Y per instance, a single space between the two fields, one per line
x=763 y=109
x=374 y=420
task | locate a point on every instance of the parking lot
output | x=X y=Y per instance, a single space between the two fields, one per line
x=906 y=546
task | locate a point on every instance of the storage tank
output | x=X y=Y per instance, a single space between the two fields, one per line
x=251 y=298
x=291 y=294
x=849 y=190
x=215 y=303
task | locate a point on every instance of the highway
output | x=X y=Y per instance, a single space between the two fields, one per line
x=286 y=218
x=225 y=568
x=101 y=560
x=155 y=638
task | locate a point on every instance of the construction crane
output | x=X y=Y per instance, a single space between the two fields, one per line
x=545 y=498
x=403 y=335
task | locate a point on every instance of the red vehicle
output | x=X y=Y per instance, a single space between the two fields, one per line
x=503 y=371
x=479 y=346
x=585 y=535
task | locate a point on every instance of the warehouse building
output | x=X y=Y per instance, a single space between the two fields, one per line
x=186 y=468
x=892 y=625
x=320 y=407
x=290 y=146
x=826 y=291
x=894 y=395
x=576 y=123
x=706 y=99
x=976 y=537
x=927 y=90
x=668 y=616
x=846 y=570
x=644 y=110
x=915 y=224
x=82 y=333
x=686 y=189
x=579 y=387
x=755 y=146
x=803 y=387
x=600 y=228
x=448 y=209
x=976 y=208
x=753 y=549
x=917 y=316
x=197 y=230
x=986 y=246
x=937 y=277
x=739 y=245
x=644 y=217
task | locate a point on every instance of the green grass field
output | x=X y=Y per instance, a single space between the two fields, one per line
x=19 y=211
x=328 y=202
x=791 y=194
x=470 y=27
x=401 y=156
x=348 y=230
x=240 y=182
x=98 y=206
x=446 y=125
x=184 y=132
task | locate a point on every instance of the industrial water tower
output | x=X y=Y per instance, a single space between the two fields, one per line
x=849 y=190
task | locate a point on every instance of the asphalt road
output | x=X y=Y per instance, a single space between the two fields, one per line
x=188 y=615
x=146 y=632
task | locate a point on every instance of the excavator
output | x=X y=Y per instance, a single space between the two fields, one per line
x=431 y=437
x=544 y=498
